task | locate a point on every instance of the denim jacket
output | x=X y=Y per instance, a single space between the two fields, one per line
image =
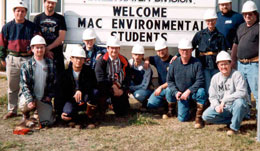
x=91 y=55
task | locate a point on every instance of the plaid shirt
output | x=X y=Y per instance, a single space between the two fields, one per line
x=27 y=79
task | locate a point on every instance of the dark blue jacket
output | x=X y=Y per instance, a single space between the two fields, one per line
x=206 y=41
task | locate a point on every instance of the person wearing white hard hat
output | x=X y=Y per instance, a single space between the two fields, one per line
x=228 y=96
x=228 y=21
x=37 y=84
x=15 y=50
x=76 y=85
x=186 y=82
x=207 y=43
x=53 y=28
x=93 y=51
x=141 y=78
x=161 y=62
x=245 y=48
x=113 y=78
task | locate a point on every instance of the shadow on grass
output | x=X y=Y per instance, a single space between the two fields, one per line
x=134 y=117
x=248 y=127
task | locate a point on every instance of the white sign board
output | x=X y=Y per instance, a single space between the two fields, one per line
x=136 y=21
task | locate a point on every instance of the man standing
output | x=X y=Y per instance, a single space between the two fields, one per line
x=227 y=95
x=208 y=42
x=185 y=81
x=228 y=21
x=113 y=77
x=161 y=63
x=53 y=29
x=14 y=51
x=245 y=47
x=37 y=84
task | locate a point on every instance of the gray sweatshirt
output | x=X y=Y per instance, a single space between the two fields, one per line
x=227 y=89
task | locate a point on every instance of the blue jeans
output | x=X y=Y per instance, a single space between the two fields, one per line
x=250 y=73
x=157 y=101
x=208 y=74
x=141 y=95
x=232 y=114
x=184 y=105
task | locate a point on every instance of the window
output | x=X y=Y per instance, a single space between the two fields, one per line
x=36 y=7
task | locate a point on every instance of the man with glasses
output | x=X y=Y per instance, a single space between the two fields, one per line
x=245 y=47
x=76 y=85
x=113 y=79
x=186 y=83
x=208 y=43
x=229 y=100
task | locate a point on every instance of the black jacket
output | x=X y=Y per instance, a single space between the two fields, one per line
x=102 y=74
x=67 y=85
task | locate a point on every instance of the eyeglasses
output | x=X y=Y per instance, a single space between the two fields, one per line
x=248 y=14
x=211 y=20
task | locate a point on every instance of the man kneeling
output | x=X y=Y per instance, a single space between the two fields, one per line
x=227 y=95
x=76 y=86
x=185 y=80
x=37 y=81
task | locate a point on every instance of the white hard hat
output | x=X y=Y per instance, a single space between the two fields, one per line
x=210 y=14
x=78 y=51
x=19 y=3
x=249 y=6
x=89 y=34
x=224 y=1
x=37 y=40
x=160 y=44
x=185 y=44
x=223 y=56
x=53 y=1
x=113 y=42
x=138 y=49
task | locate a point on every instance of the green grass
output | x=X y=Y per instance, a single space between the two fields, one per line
x=142 y=119
x=10 y=145
x=3 y=100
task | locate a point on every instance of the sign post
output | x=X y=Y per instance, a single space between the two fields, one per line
x=258 y=104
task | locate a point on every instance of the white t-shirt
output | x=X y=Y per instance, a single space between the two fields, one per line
x=40 y=75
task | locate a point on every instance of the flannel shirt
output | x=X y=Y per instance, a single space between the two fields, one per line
x=27 y=79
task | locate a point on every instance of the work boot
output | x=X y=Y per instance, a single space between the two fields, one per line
x=26 y=116
x=198 y=120
x=9 y=115
x=91 y=111
x=171 y=107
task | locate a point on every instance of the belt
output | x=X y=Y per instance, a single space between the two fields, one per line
x=209 y=53
x=254 y=59
x=20 y=54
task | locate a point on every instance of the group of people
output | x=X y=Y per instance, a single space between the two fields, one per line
x=100 y=78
